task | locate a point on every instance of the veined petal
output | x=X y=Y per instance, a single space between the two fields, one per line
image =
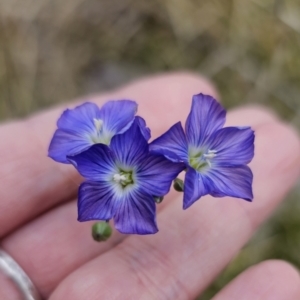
x=195 y=186
x=117 y=116
x=95 y=164
x=64 y=143
x=233 y=181
x=146 y=132
x=130 y=147
x=96 y=201
x=156 y=173
x=135 y=214
x=233 y=145
x=80 y=119
x=75 y=126
x=172 y=144
x=206 y=116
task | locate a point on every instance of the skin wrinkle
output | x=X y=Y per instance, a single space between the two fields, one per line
x=36 y=244
x=195 y=248
x=209 y=233
x=110 y=244
x=183 y=278
x=139 y=265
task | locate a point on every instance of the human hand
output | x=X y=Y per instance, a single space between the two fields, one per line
x=38 y=212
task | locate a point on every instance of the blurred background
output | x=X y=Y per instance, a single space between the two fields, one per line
x=55 y=50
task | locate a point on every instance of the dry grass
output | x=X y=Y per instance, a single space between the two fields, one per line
x=53 y=50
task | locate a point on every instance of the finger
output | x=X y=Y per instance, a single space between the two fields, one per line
x=269 y=280
x=31 y=183
x=59 y=229
x=46 y=183
x=53 y=245
x=8 y=290
x=193 y=246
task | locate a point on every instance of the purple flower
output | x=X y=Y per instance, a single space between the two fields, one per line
x=122 y=181
x=87 y=124
x=216 y=158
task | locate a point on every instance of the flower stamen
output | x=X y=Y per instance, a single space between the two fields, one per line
x=123 y=178
x=201 y=161
x=99 y=137
x=210 y=154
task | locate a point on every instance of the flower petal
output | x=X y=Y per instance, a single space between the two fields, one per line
x=95 y=164
x=146 y=132
x=206 y=116
x=64 y=143
x=96 y=201
x=130 y=147
x=195 y=186
x=117 y=116
x=75 y=126
x=80 y=119
x=233 y=181
x=234 y=145
x=136 y=214
x=171 y=144
x=156 y=173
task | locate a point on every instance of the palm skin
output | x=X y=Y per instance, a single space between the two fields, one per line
x=38 y=212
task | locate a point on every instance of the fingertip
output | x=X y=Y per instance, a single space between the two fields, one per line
x=253 y=115
x=175 y=84
x=274 y=267
x=286 y=144
x=164 y=99
x=282 y=278
x=268 y=280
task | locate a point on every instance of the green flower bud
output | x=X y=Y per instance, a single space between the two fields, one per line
x=101 y=231
x=178 y=185
x=158 y=199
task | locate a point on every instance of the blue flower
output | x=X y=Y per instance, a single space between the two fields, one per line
x=87 y=124
x=122 y=181
x=216 y=158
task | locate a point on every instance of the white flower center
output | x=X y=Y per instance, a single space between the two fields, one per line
x=200 y=161
x=98 y=124
x=209 y=155
x=123 y=178
x=100 y=136
x=119 y=178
